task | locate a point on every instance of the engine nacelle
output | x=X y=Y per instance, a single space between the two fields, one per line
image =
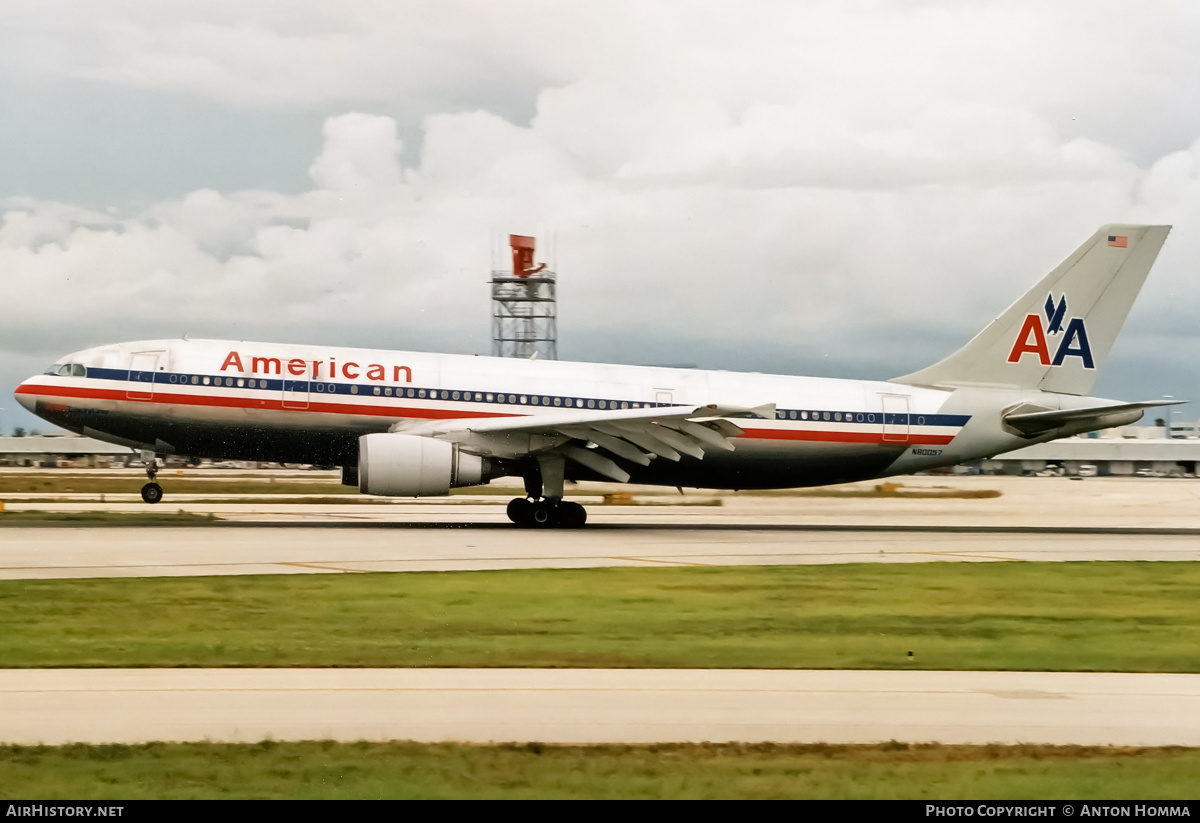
x=405 y=465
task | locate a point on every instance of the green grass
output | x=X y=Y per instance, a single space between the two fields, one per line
x=409 y=770
x=907 y=494
x=1094 y=616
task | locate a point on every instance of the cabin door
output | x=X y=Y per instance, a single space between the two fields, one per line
x=895 y=418
x=295 y=394
x=142 y=368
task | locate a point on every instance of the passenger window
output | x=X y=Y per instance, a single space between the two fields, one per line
x=205 y=381
x=195 y=379
x=354 y=389
x=421 y=393
x=558 y=401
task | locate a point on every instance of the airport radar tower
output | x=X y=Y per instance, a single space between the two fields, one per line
x=524 y=306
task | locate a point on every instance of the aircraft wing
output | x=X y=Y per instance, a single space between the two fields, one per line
x=592 y=438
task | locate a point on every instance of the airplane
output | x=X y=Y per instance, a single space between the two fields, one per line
x=411 y=424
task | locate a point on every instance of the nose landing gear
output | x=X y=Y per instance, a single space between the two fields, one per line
x=151 y=492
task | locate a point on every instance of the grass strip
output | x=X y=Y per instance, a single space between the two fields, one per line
x=905 y=494
x=328 y=770
x=1091 y=616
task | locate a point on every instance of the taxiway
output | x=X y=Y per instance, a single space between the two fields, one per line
x=597 y=706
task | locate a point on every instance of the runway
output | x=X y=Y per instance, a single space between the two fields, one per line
x=1035 y=520
x=597 y=706
x=1050 y=519
x=327 y=548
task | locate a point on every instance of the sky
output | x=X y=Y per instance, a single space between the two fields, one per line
x=842 y=188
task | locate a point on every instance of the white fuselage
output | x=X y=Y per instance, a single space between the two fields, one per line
x=310 y=404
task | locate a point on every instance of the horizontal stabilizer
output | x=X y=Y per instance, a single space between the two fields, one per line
x=1040 y=422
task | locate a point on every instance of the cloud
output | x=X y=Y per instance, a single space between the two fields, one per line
x=361 y=154
x=833 y=187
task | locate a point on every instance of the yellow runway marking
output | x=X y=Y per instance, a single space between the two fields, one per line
x=664 y=562
x=320 y=566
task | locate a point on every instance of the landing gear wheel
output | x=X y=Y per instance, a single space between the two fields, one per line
x=544 y=514
x=571 y=515
x=520 y=511
x=152 y=493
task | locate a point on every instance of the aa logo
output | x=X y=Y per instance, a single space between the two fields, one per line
x=1072 y=341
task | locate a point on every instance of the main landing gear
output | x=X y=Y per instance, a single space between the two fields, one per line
x=151 y=492
x=545 y=513
x=543 y=506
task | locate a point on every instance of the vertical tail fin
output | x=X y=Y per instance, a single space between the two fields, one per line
x=1057 y=335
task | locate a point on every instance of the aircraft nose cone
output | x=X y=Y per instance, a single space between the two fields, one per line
x=26 y=400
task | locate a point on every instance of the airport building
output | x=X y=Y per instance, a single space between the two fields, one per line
x=62 y=450
x=1144 y=451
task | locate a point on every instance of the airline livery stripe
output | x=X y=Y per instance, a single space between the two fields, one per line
x=146 y=382
x=848 y=437
x=163 y=398
x=167 y=399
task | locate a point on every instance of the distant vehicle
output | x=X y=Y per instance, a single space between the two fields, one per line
x=411 y=424
x=1087 y=470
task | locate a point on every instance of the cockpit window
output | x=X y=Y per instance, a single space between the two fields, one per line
x=67 y=370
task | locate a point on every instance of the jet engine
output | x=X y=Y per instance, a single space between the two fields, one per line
x=405 y=465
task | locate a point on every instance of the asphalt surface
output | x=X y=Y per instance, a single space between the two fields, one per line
x=325 y=548
x=597 y=706
x=1035 y=519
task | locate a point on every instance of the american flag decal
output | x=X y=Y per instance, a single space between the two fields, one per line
x=1119 y=241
